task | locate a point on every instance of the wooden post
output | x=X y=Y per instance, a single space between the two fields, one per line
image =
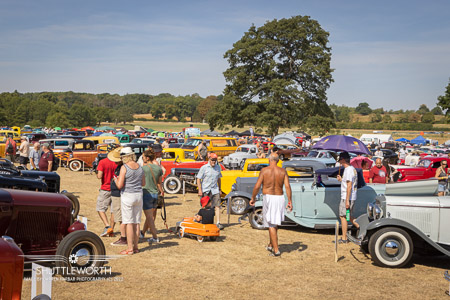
x=336 y=233
x=184 y=190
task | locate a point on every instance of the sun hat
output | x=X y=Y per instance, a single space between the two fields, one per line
x=126 y=151
x=204 y=201
x=114 y=155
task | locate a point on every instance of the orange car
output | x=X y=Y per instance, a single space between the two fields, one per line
x=188 y=227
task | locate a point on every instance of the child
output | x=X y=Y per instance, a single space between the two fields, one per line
x=206 y=214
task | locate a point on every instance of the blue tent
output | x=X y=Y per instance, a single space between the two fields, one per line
x=420 y=140
x=402 y=140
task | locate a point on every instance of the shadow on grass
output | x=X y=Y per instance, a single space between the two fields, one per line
x=172 y=204
x=295 y=246
x=159 y=245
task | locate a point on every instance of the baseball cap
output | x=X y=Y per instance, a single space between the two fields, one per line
x=213 y=156
x=204 y=201
x=344 y=155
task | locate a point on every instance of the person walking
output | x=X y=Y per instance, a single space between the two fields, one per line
x=378 y=173
x=35 y=155
x=208 y=183
x=106 y=168
x=10 y=149
x=116 y=205
x=130 y=181
x=47 y=158
x=349 y=184
x=202 y=151
x=153 y=175
x=24 y=151
x=272 y=179
x=441 y=174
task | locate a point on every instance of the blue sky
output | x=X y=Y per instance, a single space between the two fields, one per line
x=391 y=54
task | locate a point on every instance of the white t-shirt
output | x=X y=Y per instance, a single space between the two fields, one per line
x=349 y=175
x=402 y=154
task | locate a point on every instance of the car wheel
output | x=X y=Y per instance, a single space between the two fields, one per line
x=172 y=185
x=281 y=157
x=75 y=165
x=391 y=247
x=238 y=205
x=180 y=232
x=256 y=219
x=75 y=203
x=200 y=239
x=79 y=254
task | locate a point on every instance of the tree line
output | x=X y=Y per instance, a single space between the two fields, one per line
x=70 y=109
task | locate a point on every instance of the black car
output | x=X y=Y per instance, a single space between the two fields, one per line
x=388 y=155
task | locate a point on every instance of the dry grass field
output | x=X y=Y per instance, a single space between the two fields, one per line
x=238 y=267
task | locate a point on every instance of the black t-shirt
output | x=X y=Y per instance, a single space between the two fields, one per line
x=207 y=215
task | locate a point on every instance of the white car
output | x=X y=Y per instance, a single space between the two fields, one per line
x=237 y=160
x=397 y=226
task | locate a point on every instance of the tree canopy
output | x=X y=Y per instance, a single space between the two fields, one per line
x=277 y=77
x=444 y=101
x=363 y=109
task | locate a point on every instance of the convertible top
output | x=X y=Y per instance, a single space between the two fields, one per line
x=333 y=172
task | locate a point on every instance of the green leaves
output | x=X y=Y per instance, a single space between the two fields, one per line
x=277 y=77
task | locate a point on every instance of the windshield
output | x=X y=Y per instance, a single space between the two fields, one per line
x=242 y=149
x=312 y=154
x=192 y=142
x=424 y=163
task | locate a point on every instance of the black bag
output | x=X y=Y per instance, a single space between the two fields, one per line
x=10 y=148
x=160 y=202
x=56 y=162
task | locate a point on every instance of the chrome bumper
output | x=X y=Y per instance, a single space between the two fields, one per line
x=353 y=239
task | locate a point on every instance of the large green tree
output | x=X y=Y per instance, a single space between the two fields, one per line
x=277 y=77
x=363 y=109
x=444 y=102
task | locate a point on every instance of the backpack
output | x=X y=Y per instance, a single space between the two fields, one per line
x=10 y=148
x=56 y=160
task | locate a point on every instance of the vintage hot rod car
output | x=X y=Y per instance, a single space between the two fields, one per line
x=13 y=178
x=426 y=168
x=316 y=204
x=241 y=190
x=42 y=224
x=11 y=269
x=237 y=159
x=395 y=227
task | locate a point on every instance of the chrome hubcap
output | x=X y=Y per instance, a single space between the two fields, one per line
x=391 y=248
x=82 y=256
x=172 y=184
x=238 y=205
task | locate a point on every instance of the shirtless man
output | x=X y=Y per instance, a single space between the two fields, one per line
x=273 y=178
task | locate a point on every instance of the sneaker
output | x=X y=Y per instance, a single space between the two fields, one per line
x=276 y=254
x=106 y=231
x=268 y=248
x=141 y=235
x=341 y=241
x=120 y=242
x=220 y=226
x=153 y=240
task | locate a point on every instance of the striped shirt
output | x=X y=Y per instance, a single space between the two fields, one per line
x=133 y=180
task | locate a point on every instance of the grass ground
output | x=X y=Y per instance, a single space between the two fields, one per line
x=238 y=267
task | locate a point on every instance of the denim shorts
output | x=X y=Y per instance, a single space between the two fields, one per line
x=150 y=200
x=441 y=187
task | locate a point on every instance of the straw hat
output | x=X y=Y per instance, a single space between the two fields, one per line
x=114 y=155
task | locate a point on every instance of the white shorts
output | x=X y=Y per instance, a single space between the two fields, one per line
x=131 y=206
x=273 y=210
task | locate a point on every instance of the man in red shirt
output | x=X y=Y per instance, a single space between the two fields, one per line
x=10 y=151
x=378 y=173
x=46 y=161
x=106 y=169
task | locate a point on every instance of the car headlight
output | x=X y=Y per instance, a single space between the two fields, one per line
x=233 y=187
x=370 y=210
x=377 y=212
